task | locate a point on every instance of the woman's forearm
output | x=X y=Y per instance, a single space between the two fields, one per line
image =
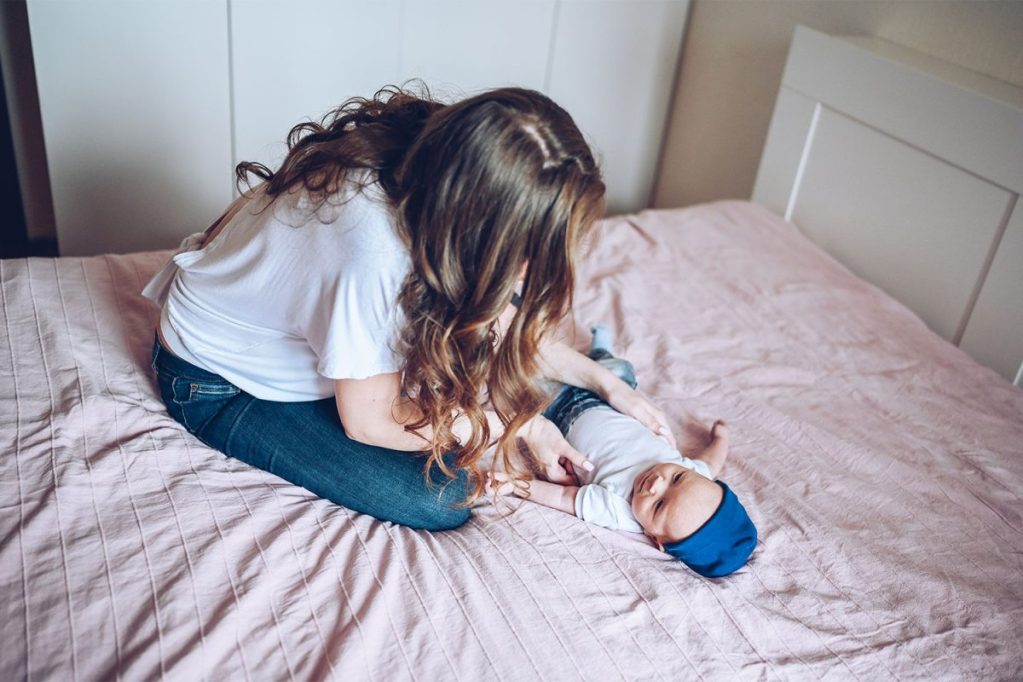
x=373 y=411
x=391 y=433
x=561 y=362
x=388 y=433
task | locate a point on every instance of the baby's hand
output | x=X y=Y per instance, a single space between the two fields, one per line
x=719 y=430
x=499 y=483
x=715 y=452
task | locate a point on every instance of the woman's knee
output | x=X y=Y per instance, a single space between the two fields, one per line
x=447 y=518
x=442 y=504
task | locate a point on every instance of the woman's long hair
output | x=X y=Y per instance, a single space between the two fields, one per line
x=482 y=187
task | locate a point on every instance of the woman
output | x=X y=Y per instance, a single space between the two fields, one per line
x=348 y=324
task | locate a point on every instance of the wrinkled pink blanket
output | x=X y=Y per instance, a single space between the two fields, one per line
x=882 y=466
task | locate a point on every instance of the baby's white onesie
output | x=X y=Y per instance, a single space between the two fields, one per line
x=620 y=449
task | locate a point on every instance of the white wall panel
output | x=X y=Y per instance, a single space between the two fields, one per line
x=613 y=70
x=148 y=106
x=294 y=61
x=610 y=63
x=463 y=46
x=134 y=102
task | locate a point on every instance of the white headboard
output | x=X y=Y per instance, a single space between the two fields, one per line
x=908 y=170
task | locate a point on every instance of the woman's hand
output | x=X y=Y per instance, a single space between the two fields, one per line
x=554 y=456
x=567 y=365
x=626 y=400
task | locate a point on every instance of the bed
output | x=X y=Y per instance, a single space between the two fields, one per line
x=881 y=463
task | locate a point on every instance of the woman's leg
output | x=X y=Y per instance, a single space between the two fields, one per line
x=305 y=443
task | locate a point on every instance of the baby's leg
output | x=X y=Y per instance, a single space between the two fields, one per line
x=572 y=401
x=600 y=350
x=602 y=340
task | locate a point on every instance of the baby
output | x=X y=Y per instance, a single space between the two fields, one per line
x=640 y=483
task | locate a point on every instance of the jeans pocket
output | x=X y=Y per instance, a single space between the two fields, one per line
x=197 y=401
x=205 y=390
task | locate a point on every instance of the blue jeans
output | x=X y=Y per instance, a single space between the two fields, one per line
x=572 y=401
x=305 y=443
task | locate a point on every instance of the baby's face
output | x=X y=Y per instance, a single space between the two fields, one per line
x=672 y=502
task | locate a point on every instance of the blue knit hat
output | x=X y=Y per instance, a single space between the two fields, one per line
x=722 y=544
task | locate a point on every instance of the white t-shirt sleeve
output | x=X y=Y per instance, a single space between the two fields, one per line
x=598 y=505
x=355 y=332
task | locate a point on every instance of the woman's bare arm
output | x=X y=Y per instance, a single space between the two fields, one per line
x=561 y=362
x=373 y=412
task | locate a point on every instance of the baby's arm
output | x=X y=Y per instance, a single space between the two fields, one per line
x=553 y=495
x=716 y=452
x=592 y=503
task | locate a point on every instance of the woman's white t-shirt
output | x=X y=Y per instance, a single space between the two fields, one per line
x=287 y=299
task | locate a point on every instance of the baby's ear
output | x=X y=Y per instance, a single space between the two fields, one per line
x=654 y=540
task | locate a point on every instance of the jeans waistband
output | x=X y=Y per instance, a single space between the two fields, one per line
x=165 y=360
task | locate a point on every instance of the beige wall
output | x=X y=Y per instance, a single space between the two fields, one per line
x=732 y=64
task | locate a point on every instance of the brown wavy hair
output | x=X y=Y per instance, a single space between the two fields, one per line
x=481 y=187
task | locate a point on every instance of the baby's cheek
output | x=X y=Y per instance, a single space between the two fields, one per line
x=638 y=513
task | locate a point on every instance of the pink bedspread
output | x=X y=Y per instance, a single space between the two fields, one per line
x=882 y=466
